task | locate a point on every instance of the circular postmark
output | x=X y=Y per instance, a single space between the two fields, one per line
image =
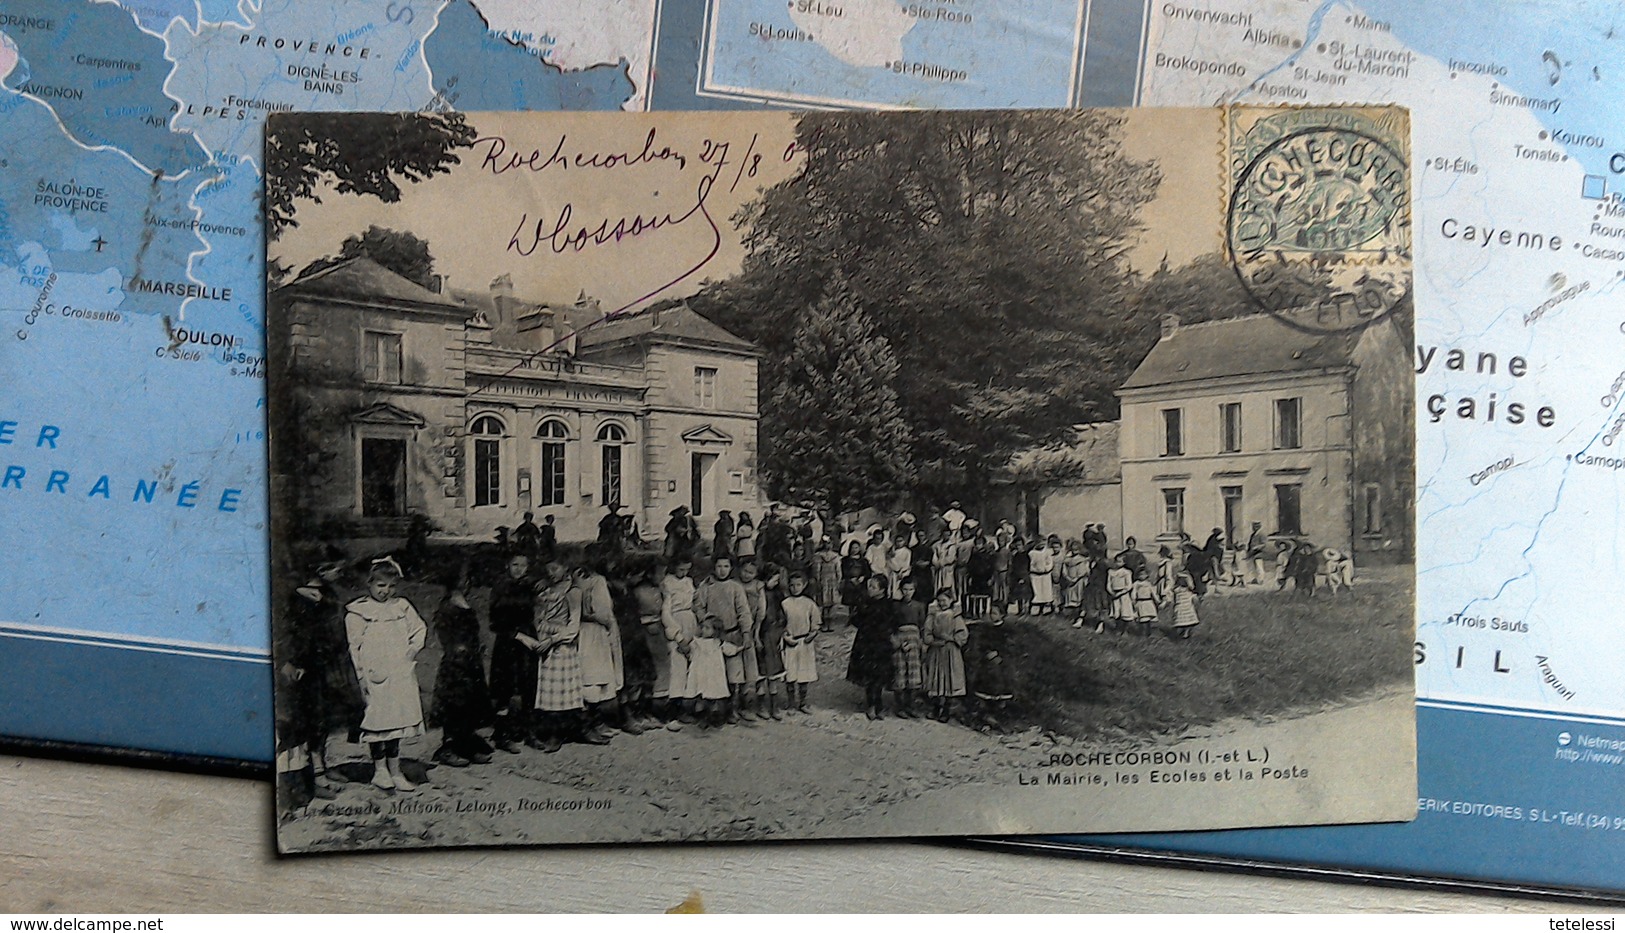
x=1318 y=225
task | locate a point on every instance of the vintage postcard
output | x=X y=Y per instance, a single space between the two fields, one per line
x=756 y=475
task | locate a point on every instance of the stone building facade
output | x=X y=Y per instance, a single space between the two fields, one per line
x=1248 y=419
x=472 y=408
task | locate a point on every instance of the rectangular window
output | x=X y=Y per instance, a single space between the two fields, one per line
x=1289 y=509
x=381 y=357
x=1371 y=508
x=383 y=477
x=1231 y=496
x=487 y=472
x=1288 y=423
x=552 y=491
x=705 y=386
x=1173 y=511
x=610 y=481
x=1173 y=432
x=1230 y=427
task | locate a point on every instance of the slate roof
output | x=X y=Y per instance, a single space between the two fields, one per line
x=1257 y=344
x=362 y=278
x=680 y=322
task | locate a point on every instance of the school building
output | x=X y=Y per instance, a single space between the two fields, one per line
x=1229 y=422
x=473 y=407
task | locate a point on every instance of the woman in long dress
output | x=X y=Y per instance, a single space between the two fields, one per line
x=1040 y=566
x=942 y=563
x=745 y=538
x=1166 y=569
x=1074 y=572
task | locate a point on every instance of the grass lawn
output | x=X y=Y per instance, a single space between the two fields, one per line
x=1258 y=653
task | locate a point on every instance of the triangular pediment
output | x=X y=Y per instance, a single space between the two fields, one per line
x=706 y=434
x=385 y=413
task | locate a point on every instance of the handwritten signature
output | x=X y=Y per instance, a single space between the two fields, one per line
x=563 y=233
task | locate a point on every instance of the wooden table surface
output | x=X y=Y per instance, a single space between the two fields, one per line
x=95 y=838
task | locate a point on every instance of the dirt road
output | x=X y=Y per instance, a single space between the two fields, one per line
x=831 y=773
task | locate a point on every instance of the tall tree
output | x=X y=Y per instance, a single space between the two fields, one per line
x=355 y=153
x=987 y=247
x=837 y=431
x=401 y=252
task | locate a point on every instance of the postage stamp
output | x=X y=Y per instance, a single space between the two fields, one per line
x=1317 y=212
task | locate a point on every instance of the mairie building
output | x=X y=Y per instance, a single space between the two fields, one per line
x=390 y=400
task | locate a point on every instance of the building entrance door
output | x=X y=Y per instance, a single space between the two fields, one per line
x=383 y=477
x=702 y=470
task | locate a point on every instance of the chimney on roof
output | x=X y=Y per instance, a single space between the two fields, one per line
x=502 y=286
x=654 y=319
x=437 y=283
x=1170 y=323
x=566 y=342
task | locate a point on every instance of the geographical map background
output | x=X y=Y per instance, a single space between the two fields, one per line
x=131 y=313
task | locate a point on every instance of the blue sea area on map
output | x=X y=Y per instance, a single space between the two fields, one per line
x=478 y=70
x=1019 y=53
x=1586 y=81
x=188 y=565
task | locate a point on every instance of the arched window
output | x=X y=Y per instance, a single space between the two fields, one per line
x=553 y=434
x=487 y=432
x=610 y=438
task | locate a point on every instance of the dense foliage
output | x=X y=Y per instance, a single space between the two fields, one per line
x=989 y=251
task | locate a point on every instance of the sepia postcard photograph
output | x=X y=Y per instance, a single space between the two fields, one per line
x=768 y=475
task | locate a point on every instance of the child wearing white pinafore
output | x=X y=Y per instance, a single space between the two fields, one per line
x=385 y=634
x=708 y=673
x=1185 y=619
x=801 y=623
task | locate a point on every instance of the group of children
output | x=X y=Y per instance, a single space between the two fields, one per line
x=986 y=568
x=618 y=643
x=920 y=650
x=630 y=641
